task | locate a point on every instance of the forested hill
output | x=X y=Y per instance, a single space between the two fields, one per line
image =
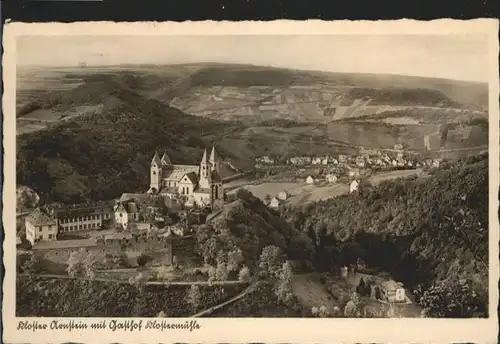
x=422 y=231
x=103 y=154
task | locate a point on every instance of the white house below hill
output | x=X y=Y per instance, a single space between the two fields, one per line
x=354 y=186
x=275 y=203
x=393 y=292
x=126 y=212
x=309 y=180
x=40 y=227
x=283 y=196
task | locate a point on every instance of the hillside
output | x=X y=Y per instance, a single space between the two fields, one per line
x=422 y=231
x=248 y=225
x=90 y=134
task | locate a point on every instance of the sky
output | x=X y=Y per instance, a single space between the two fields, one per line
x=461 y=57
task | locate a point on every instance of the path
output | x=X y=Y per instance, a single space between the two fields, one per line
x=241 y=295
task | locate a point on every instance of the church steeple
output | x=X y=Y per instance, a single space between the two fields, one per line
x=204 y=157
x=165 y=160
x=214 y=159
x=205 y=171
x=156 y=159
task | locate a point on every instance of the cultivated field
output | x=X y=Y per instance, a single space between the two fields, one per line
x=383 y=176
x=299 y=192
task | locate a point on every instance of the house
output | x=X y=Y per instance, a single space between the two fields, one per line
x=85 y=216
x=331 y=178
x=316 y=161
x=360 y=163
x=126 y=212
x=324 y=161
x=398 y=146
x=354 y=172
x=399 y=156
x=354 y=186
x=283 y=195
x=18 y=240
x=40 y=226
x=342 y=158
x=393 y=292
x=309 y=180
x=436 y=163
x=334 y=161
x=394 y=163
x=275 y=203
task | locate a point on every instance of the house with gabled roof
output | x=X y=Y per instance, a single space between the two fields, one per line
x=126 y=212
x=40 y=226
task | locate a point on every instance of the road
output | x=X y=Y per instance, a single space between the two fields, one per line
x=241 y=295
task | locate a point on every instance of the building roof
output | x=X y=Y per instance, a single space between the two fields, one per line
x=129 y=207
x=178 y=171
x=216 y=177
x=204 y=158
x=156 y=159
x=192 y=176
x=214 y=155
x=391 y=285
x=165 y=160
x=202 y=190
x=133 y=196
x=40 y=218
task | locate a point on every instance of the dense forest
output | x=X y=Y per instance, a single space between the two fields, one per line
x=428 y=233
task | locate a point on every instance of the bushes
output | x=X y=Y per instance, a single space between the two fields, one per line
x=84 y=298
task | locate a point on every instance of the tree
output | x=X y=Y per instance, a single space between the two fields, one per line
x=212 y=273
x=193 y=297
x=361 y=288
x=452 y=299
x=271 y=260
x=234 y=259
x=324 y=312
x=143 y=259
x=222 y=272
x=244 y=274
x=139 y=281
x=75 y=264
x=283 y=288
x=90 y=265
x=164 y=273
x=32 y=265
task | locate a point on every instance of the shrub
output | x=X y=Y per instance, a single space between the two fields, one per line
x=244 y=274
x=143 y=259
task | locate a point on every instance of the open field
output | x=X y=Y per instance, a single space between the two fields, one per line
x=310 y=292
x=383 y=176
x=299 y=192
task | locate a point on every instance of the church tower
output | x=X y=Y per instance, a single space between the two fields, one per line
x=155 y=170
x=215 y=160
x=205 y=171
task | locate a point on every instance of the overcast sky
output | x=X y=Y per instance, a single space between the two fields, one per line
x=461 y=57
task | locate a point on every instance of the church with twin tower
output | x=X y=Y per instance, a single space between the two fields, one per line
x=198 y=185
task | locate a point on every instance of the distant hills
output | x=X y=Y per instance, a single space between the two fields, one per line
x=90 y=133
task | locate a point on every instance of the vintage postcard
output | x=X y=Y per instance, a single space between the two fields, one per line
x=306 y=182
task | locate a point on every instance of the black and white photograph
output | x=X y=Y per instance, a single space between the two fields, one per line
x=253 y=175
